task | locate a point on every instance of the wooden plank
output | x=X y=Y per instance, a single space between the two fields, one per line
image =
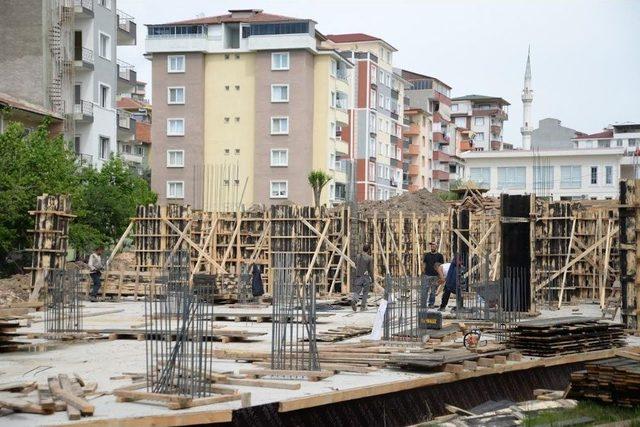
x=166 y=420
x=71 y=399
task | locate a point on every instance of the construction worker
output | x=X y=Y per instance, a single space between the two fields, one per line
x=363 y=277
x=451 y=271
x=430 y=276
x=95 y=271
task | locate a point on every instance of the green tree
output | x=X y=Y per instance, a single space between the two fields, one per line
x=105 y=204
x=317 y=180
x=31 y=163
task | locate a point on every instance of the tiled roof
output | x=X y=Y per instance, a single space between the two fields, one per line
x=410 y=75
x=355 y=37
x=24 y=105
x=607 y=133
x=248 y=16
x=130 y=104
x=143 y=132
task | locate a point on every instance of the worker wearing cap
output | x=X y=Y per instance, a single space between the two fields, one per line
x=430 y=276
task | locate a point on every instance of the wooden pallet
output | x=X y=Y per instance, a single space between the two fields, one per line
x=212 y=335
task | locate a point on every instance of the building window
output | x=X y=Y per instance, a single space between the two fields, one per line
x=632 y=142
x=588 y=144
x=454 y=107
x=334 y=99
x=608 y=174
x=594 y=175
x=279 y=189
x=373 y=97
x=104 y=96
x=372 y=171
x=279 y=125
x=604 y=143
x=175 y=63
x=543 y=177
x=279 y=93
x=332 y=130
x=138 y=150
x=334 y=67
x=372 y=147
x=478 y=121
x=176 y=95
x=381 y=101
x=175 y=158
x=512 y=178
x=279 y=157
x=280 y=61
x=618 y=142
x=105 y=3
x=175 y=127
x=105 y=149
x=570 y=177
x=104 y=46
x=479 y=137
x=175 y=189
x=332 y=161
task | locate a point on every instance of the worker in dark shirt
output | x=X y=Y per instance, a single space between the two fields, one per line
x=430 y=276
x=363 y=277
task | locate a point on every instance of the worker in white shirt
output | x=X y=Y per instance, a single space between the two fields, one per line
x=95 y=271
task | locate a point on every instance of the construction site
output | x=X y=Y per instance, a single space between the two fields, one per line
x=544 y=315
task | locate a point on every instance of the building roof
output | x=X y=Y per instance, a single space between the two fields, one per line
x=21 y=104
x=607 y=133
x=143 y=132
x=236 y=16
x=131 y=104
x=516 y=153
x=485 y=98
x=356 y=37
x=410 y=75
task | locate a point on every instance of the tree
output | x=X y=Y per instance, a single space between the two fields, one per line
x=317 y=180
x=31 y=163
x=106 y=203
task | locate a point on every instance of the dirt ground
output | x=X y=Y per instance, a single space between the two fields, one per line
x=14 y=289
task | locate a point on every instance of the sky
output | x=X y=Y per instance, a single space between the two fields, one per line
x=585 y=54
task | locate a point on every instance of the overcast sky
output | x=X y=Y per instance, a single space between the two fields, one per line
x=585 y=54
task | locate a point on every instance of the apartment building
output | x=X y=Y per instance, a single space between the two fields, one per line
x=463 y=142
x=376 y=118
x=433 y=95
x=68 y=50
x=417 y=150
x=134 y=133
x=275 y=99
x=485 y=116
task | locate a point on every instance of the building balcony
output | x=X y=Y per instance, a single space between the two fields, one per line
x=440 y=138
x=413 y=150
x=394 y=94
x=441 y=156
x=84 y=159
x=496 y=129
x=342 y=74
x=127 y=77
x=498 y=113
x=126 y=29
x=83 y=9
x=466 y=145
x=126 y=126
x=496 y=145
x=83 y=112
x=394 y=115
x=342 y=147
x=83 y=59
x=439 y=175
x=130 y=158
x=406 y=120
x=412 y=130
x=414 y=170
x=395 y=163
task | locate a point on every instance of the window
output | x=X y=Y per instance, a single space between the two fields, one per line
x=543 y=177
x=280 y=61
x=175 y=189
x=372 y=147
x=332 y=161
x=176 y=95
x=279 y=93
x=373 y=97
x=632 y=142
x=372 y=171
x=104 y=46
x=279 y=157
x=104 y=96
x=105 y=148
x=138 y=150
x=461 y=122
x=279 y=125
x=334 y=99
x=512 y=178
x=175 y=127
x=372 y=122
x=332 y=130
x=570 y=177
x=381 y=101
x=481 y=176
x=280 y=28
x=454 y=107
x=175 y=158
x=618 y=143
x=479 y=136
x=608 y=174
x=478 y=121
x=175 y=63
x=588 y=144
x=105 y=3
x=594 y=175
x=279 y=189
x=334 y=67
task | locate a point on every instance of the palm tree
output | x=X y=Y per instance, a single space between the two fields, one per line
x=317 y=180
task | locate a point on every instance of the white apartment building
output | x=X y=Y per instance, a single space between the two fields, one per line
x=485 y=116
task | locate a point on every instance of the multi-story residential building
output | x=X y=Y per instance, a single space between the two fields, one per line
x=275 y=99
x=485 y=116
x=463 y=142
x=433 y=95
x=139 y=91
x=375 y=129
x=134 y=133
x=68 y=50
x=418 y=150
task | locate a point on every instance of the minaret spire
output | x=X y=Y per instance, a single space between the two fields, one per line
x=527 y=100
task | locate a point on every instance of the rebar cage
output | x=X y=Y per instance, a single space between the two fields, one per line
x=63 y=308
x=404 y=297
x=293 y=344
x=178 y=339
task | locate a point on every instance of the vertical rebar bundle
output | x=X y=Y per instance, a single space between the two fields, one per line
x=178 y=339
x=293 y=344
x=403 y=295
x=63 y=310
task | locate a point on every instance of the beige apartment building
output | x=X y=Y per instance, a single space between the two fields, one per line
x=485 y=116
x=418 y=149
x=246 y=104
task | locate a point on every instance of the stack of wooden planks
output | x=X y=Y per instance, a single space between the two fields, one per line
x=9 y=331
x=615 y=380
x=61 y=393
x=566 y=335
